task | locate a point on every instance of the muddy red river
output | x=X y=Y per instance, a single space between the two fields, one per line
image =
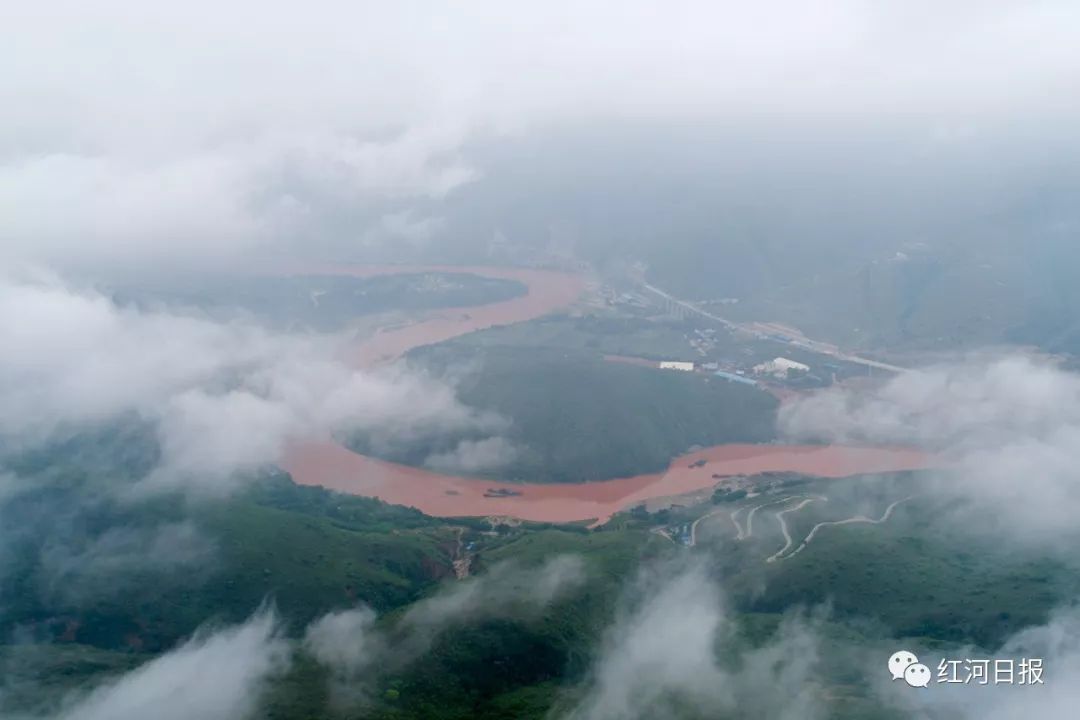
x=546 y=291
x=338 y=468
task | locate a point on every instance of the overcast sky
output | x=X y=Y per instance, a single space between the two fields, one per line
x=133 y=130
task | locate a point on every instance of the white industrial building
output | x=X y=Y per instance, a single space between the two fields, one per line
x=780 y=366
x=675 y=365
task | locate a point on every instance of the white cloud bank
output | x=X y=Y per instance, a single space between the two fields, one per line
x=198 y=130
x=357 y=651
x=225 y=397
x=1056 y=643
x=671 y=649
x=1007 y=426
x=214 y=676
x=673 y=652
x=223 y=673
x=470 y=456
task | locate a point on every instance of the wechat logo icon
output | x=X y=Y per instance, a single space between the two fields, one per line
x=903 y=665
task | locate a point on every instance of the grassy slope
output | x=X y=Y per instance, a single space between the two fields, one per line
x=309 y=550
x=921 y=574
x=921 y=579
x=904 y=578
x=914 y=576
x=313 y=553
x=489 y=668
x=506 y=667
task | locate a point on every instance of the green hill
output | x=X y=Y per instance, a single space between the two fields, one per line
x=310 y=551
x=305 y=558
x=572 y=417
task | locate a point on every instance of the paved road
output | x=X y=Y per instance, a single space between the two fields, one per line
x=738 y=528
x=693 y=526
x=806 y=343
x=690 y=306
x=784 y=529
x=857 y=519
x=753 y=511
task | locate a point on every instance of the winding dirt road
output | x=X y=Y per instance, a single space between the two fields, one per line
x=739 y=535
x=856 y=519
x=753 y=511
x=783 y=525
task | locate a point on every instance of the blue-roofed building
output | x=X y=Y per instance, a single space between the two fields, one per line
x=732 y=377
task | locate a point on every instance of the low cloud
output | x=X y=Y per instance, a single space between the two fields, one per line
x=405 y=226
x=350 y=646
x=506 y=588
x=225 y=397
x=356 y=650
x=672 y=649
x=970 y=403
x=472 y=456
x=11 y=486
x=659 y=650
x=215 y=676
x=213 y=204
x=217 y=142
x=115 y=562
x=223 y=673
x=1056 y=643
x=345 y=641
x=1006 y=427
